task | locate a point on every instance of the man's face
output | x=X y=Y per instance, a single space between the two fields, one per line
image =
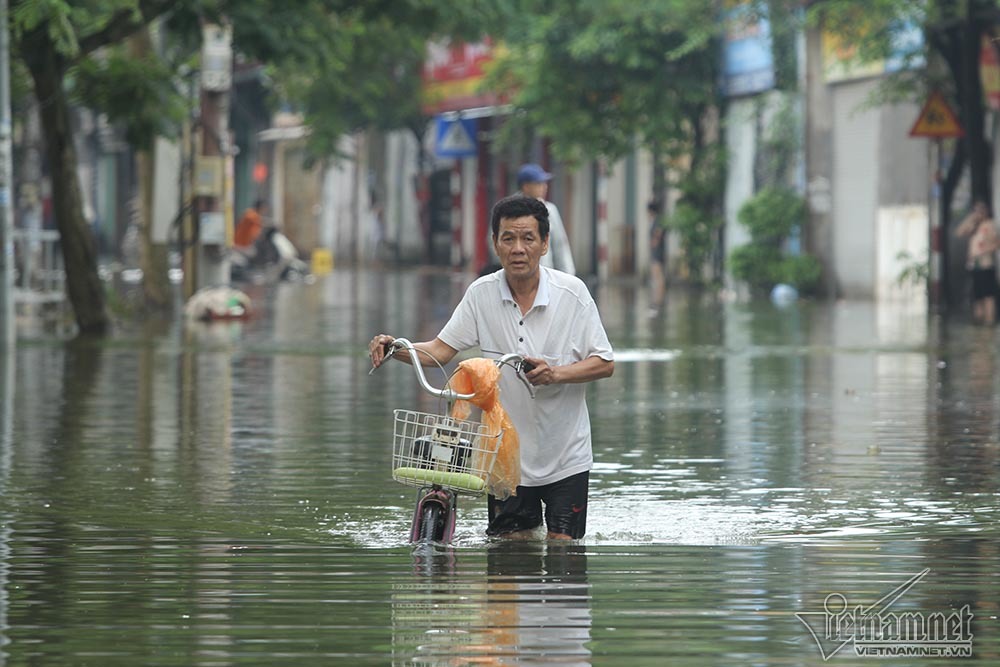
x=520 y=246
x=538 y=189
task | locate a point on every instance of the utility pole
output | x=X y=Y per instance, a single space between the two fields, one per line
x=189 y=255
x=8 y=331
x=211 y=187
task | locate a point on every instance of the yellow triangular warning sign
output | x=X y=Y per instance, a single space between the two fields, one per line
x=937 y=120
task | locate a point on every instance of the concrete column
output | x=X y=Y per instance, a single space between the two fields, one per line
x=818 y=234
x=601 y=220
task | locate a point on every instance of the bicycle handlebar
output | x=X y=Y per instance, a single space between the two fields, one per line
x=511 y=359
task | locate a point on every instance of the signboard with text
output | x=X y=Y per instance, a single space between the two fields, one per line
x=453 y=76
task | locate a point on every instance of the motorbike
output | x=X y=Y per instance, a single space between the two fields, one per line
x=270 y=259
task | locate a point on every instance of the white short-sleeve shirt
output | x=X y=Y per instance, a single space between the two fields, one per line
x=562 y=327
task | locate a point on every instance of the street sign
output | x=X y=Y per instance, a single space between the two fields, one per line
x=937 y=120
x=455 y=137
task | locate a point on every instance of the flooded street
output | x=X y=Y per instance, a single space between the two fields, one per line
x=221 y=494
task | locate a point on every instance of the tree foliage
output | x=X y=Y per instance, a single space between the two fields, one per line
x=140 y=94
x=599 y=77
x=771 y=216
x=346 y=63
x=351 y=65
x=595 y=77
x=51 y=37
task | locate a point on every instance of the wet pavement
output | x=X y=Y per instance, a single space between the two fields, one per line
x=191 y=494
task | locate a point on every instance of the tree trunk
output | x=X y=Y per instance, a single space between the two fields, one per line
x=973 y=116
x=152 y=256
x=83 y=285
x=950 y=267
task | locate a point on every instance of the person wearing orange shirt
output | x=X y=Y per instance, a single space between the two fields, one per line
x=250 y=225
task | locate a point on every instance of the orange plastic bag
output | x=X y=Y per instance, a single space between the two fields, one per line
x=482 y=377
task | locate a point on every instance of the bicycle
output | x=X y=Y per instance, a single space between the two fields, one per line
x=442 y=456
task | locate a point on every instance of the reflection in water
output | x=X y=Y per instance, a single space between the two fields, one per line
x=205 y=411
x=965 y=452
x=539 y=595
x=221 y=495
x=434 y=559
x=532 y=607
x=7 y=363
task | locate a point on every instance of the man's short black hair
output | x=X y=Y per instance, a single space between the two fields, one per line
x=518 y=206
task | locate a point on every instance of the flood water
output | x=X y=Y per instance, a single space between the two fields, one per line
x=221 y=495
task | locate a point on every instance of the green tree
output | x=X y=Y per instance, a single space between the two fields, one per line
x=347 y=63
x=134 y=86
x=770 y=216
x=51 y=37
x=598 y=77
x=353 y=65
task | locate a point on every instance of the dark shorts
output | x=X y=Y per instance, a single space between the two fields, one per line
x=984 y=283
x=565 y=508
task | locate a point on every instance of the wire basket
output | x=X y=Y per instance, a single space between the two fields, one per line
x=430 y=449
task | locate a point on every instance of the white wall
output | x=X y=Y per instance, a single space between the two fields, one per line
x=166 y=188
x=900 y=229
x=470 y=169
x=581 y=227
x=741 y=146
x=339 y=228
x=401 y=215
x=643 y=193
x=856 y=156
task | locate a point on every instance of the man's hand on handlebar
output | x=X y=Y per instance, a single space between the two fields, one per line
x=378 y=348
x=538 y=372
x=535 y=371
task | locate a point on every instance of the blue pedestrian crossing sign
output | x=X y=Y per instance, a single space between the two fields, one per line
x=455 y=137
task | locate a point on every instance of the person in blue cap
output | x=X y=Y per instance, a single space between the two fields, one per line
x=533 y=181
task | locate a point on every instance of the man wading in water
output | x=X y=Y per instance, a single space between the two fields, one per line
x=549 y=318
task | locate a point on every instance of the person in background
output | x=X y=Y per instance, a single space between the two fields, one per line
x=657 y=257
x=551 y=319
x=533 y=181
x=250 y=225
x=981 y=261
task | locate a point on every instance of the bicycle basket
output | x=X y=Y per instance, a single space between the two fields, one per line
x=454 y=454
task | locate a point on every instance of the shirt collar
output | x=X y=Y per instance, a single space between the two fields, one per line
x=541 y=296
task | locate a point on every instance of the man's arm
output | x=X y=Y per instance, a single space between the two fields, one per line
x=968 y=224
x=585 y=370
x=436 y=349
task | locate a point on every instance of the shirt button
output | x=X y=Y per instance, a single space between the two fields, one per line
x=521 y=323
x=520 y=340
